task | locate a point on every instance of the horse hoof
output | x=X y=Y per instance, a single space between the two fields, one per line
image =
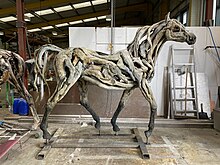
x=116 y=128
x=97 y=125
x=148 y=133
x=47 y=136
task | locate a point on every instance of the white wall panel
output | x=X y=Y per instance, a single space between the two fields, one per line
x=130 y=33
x=103 y=35
x=118 y=47
x=103 y=48
x=119 y=35
x=82 y=37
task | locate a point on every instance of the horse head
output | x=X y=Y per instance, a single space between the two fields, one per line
x=30 y=65
x=4 y=68
x=175 y=31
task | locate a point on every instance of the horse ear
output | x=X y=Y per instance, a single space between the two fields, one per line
x=167 y=17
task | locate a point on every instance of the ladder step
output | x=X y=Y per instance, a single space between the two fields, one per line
x=182 y=48
x=184 y=64
x=188 y=111
x=183 y=99
x=184 y=117
x=182 y=87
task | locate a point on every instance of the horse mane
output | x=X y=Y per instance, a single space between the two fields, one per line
x=144 y=37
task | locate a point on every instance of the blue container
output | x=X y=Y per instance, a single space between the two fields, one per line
x=16 y=106
x=23 y=107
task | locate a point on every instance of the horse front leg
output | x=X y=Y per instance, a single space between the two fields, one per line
x=121 y=105
x=32 y=107
x=27 y=96
x=83 y=89
x=148 y=94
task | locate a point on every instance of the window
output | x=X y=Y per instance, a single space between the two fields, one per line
x=217 y=17
x=183 y=17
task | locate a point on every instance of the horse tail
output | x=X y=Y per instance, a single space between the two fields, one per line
x=42 y=56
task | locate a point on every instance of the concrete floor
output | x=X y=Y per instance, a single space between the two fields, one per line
x=169 y=146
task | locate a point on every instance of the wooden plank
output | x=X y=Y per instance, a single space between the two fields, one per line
x=142 y=145
x=96 y=145
x=97 y=136
x=46 y=147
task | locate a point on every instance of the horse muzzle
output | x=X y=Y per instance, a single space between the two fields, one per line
x=191 y=39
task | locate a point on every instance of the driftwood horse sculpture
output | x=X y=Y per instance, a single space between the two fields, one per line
x=12 y=71
x=125 y=70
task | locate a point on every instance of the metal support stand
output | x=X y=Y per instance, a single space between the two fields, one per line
x=47 y=146
x=101 y=143
x=141 y=144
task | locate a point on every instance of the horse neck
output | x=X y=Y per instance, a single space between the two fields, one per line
x=153 y=45
x=157 y=43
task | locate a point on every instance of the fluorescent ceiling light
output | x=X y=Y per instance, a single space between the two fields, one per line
x=44 y=12
x=54 y=33
x=47 y=27
x=7 y=19
x=1 y=33
x=63 y=8
x=98 y=2
x=29 y=15
x=62 y=24
x=34 y=30
x=27 y=19
x=90 y=19
x=108 y=17
x=81 y=5
x=76 y=22
x=102 y=17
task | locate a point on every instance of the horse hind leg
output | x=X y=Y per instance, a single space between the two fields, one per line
x=83 y=89
x=59 y=93
x=121 y=105
x=62 y=88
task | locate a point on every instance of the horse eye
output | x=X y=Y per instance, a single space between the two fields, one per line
x=176 y=29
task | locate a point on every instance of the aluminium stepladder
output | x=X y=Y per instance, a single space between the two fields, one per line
x=183 y=83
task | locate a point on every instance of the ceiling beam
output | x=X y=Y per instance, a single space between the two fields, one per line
x=121 y=22
x=139 y=7
x=37 y=5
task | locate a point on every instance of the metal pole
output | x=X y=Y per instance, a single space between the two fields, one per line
x=21 y=25
x=112 y=25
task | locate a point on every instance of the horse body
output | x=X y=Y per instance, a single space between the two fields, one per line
x=125 y=70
